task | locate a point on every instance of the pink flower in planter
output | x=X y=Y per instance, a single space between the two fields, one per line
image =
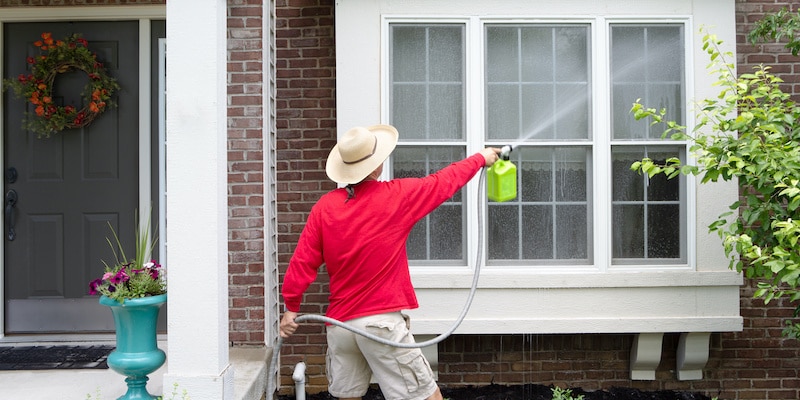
x=93 y=286
x=120 y=277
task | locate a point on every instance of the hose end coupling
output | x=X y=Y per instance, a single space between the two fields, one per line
x=505 y=152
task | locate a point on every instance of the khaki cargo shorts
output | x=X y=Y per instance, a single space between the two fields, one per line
x=403 y=374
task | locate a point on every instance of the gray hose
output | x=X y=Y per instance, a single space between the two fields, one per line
x=272 y=385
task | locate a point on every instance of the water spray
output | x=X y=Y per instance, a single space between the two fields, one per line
x=501 y=177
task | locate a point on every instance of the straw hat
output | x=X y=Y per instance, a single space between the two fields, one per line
x=359 y=152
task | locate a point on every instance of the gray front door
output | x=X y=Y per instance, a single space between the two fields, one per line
x=67 y=188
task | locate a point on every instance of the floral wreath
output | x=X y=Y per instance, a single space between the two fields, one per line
x=59 y=56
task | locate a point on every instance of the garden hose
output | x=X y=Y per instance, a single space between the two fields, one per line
x=272 y=373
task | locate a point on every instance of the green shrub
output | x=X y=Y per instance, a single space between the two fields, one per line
x=750 y=134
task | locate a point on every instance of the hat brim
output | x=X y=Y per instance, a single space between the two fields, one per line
x=346 y=174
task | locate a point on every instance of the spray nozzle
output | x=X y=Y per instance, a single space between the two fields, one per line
x=505 y=152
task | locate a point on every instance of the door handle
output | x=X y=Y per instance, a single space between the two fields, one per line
x=11 y=202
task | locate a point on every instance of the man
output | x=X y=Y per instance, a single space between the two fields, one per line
x=359 y=232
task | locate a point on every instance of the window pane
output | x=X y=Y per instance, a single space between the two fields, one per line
x=624 y=126
x=666 y=52
x=502 y=54
x=571 y=234
x=445 y=224
x=627 y=47
x=538 y=62
x=504 y=244
x=537 y=82
x=570 y=120
x=626 y=185
x=537 y=243
x=503 y=119
x=441 y=234
x=427 y=81
x=648 y=213
x=659 y=188
x=535 y=174
x=647 y=63
x=446 y=53
x=628 y=239
x=571 y=53
x=446 y=116
x=571 y=181
x=409 y=108
x=409 y=47
x=551 y=217
x=664 y=236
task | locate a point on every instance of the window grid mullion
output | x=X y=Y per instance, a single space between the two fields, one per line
x=428 y=88
x=428 y=233
x=520 y=126
x=520 y=121
x=553 y=213
x=553 y=90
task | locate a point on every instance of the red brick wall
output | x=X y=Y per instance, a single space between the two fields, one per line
x=306 y=132
x=246 y=173
x=775 y=55
x=757 y=363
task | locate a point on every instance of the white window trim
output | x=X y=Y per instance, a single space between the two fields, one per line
x=702 y=296
x=604 y=144
x=600 y=143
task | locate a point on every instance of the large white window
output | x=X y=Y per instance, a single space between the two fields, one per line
x=587 y=245
x=538 y=94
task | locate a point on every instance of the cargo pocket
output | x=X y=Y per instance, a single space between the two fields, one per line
x=390 y=329
x=415 y=370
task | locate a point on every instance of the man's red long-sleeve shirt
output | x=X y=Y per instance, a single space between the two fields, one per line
x=362 y=241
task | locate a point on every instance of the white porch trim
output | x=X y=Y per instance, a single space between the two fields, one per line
x=197 y=199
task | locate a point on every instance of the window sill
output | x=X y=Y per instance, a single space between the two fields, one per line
x=674 y=301
x=492 y=278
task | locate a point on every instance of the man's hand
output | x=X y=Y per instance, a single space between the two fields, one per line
x=288 y=326
x=490 y=155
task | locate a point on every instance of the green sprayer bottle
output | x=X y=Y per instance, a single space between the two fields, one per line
x=501 y=178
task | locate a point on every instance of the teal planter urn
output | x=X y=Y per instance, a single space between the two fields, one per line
x=137 y=354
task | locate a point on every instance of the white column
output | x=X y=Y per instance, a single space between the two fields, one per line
x=197 y=200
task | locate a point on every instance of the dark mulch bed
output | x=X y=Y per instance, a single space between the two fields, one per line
x=533 y=392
